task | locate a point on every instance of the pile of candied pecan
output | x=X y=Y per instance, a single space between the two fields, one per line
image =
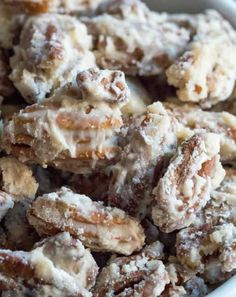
x=118 y=147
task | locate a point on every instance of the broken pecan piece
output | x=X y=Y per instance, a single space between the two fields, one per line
x=209 y=250
x=138 y=275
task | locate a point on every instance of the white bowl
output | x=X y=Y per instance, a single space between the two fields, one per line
x=228 y=9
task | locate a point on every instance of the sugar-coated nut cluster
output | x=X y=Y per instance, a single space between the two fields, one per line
x=59 y=263
x=110 y=184
x=185 y=187
x=135 y=40
x=52 y=50
x=139 y=275
x=192 y=119
x=205 y=73
x=210 y=251
x=98 y=227
x=71 y=134
x=152 y=140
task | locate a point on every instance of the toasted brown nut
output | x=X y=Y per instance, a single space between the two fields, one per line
x=138 y=275
x=98 y=227
x=56 y=263
x=185 y=188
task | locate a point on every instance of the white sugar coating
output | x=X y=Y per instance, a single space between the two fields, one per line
x=53 y=49
x=185 y=187
x=59 y=262
x=150 y=39
x=193 y=118
x=103 y=85
x=152 y=138
x=205 y=73
x=224 y=234
x=98 y=227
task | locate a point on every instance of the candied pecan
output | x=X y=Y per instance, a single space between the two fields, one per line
x=52 y=50
x=221 y=123
x=64 y=132
x=142 y=274
x=135 y=40
x=222 y=205
x=103 y=85
x=185 y=188
x=152 y=140
x=98 y=227
x=206 y=73
x=56 y=263
x=183 y=281
x=208 y=249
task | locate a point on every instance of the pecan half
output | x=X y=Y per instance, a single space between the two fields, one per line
x=98 y=227
x=186 y=185
x=71 y=134
x=56 y=263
